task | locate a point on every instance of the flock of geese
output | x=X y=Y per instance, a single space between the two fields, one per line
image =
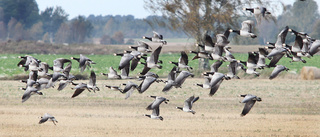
x=304 y=46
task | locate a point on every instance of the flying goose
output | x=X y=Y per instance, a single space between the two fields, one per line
x=314 y=48
x=155 y=114
x=215 y=81
x=136 y=58
x=171 y=80
x=43 y=69
x=187 y=107
x=246 y=29
x=115 y=88
x=83 y=62
x=258 y=12
x=156 y=38
x=28 y=62
x=261 y=63
x=228 y=55
x=209 y=44
x=129 y=88
x=157 y=101
x=217 y=53
x=28 y=92
x=142 y=47
x=277 y=70
x=183 y=61
x=182 y=76
x=147 y=81
x=152 y=61
x=47 y=117
x=201 y=54
x=125 y=59
x=252 y=63
x=281 y=38
x=92 y=82
x=58 y=64
x=215 y=66
x=250 y=100
x=112 y=74
x=233 y=69
x=222 y=39
x=79 y=88
x=206 y=84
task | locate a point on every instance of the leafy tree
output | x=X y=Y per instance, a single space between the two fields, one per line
x=24 y=11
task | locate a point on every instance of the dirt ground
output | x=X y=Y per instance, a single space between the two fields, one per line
x=288 y=108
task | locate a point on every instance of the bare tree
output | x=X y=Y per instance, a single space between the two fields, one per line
x=196 y=17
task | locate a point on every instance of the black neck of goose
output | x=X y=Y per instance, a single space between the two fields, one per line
x=249 y=9
x=148 y=116
x=236 y=31
x=148 y=38
x=175 y=63
x=135 y=48
x=77 y=59
x=201 y=85
x=180 y=108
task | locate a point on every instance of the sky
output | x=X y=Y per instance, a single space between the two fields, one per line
x=106 y=7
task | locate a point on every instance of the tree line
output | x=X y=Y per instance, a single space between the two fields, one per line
x=21 y=20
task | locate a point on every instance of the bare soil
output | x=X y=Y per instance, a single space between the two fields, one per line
x=288 y=108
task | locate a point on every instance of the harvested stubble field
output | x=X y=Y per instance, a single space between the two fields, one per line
x=288 y=108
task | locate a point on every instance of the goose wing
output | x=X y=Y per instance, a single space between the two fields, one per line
x=247 y=107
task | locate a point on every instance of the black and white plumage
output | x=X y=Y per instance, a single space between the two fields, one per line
x=152 y=61
x=125 y=59
x=129 y=88
x=92 y=82
x=142 y=47
x=249 y=101
x=47 y=117
x=146 y=82
x=276 y=71
x=170 y=80
x=156 y=38
x=112 y=74
x=83 y=62
x=79 y=88
x=216 y=79
x=157 y=101
x=182 y=76
x=215 y=66
x=246 y=29
x=183 y=62
x=155 y=114
x=258 y=12
x=188 y=103
x=58 y=64
x=28 y=92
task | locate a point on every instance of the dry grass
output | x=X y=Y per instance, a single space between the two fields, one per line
x=288 y=108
